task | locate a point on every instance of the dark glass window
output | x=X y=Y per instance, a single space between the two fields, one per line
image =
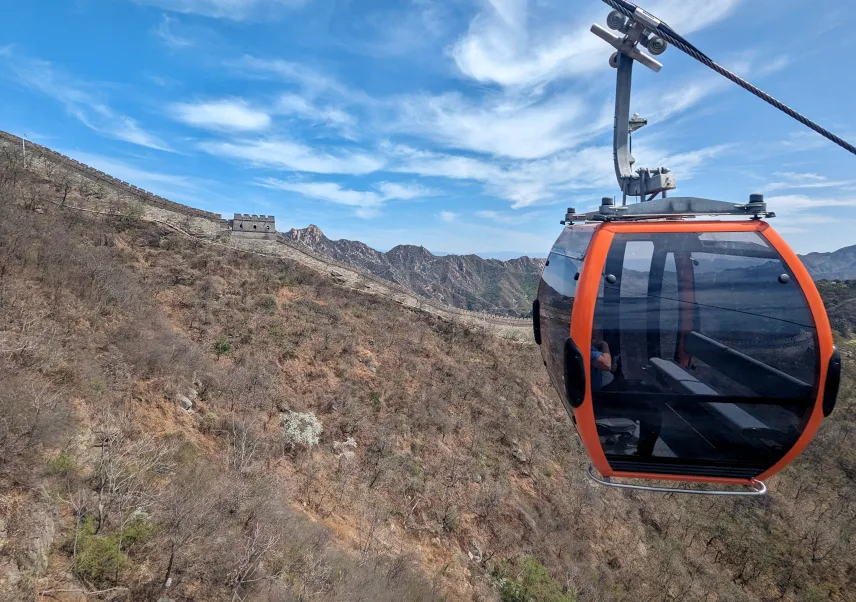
x=556 y=294
x=713 y=350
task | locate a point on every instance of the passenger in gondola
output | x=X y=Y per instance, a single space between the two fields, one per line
x=601 y=365
x=617 y=425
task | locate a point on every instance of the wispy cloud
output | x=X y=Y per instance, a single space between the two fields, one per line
x=310 y=80
x=176 y=187
x=510 y=45
x=300 y=106
x=167 y=34
x=449 y=217
x=238 y=10
x=84 y=105
x=366 y=202
x=547 y=180
x=803 y=181
x=295 y=156
x=519 y=128
x=510 y=218
x=227 y=114
x=800 y=202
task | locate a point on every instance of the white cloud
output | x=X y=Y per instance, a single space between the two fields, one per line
x=802 y=181
x=404 y=192
x=510 y=218
x=427 y=163
x=367 y=202
x=509 y=45
x=194 y=191
x=237 y=10
x=227 y=114
x=328 y=191
x=449 y=216
x=309 y=80
x=523 y=182
x=83 y=105
x=798 y=202
x=548 y=180
x=294 y=156
x=519 y=128
x=165 y=32
x=301 y=106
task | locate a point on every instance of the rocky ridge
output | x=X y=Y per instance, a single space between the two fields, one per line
x=465 y=281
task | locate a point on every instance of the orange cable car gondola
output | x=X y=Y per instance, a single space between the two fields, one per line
x=683 y=350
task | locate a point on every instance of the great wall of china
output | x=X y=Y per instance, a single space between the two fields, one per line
x=112 y=196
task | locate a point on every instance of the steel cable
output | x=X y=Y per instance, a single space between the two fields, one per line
x=668 y=34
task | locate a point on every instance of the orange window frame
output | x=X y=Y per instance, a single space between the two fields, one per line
x=583 y=318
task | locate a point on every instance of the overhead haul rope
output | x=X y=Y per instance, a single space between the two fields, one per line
x=667 y=33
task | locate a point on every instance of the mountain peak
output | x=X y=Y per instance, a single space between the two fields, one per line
x=311 y=234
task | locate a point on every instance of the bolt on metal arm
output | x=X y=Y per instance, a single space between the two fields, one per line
x=641 y=182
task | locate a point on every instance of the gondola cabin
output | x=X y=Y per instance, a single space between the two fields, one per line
x=685 y=350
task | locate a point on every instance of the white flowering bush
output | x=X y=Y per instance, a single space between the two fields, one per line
x=345 y=449
x=301 y=429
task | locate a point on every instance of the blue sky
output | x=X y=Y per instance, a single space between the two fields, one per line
x=460 y=125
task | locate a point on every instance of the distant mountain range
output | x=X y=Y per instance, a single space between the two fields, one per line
x=466 y=281
x=501 y=287
x=838 y=265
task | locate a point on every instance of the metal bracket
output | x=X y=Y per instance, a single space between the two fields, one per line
x=638 y=31
x=677 y=207
x=757 y=488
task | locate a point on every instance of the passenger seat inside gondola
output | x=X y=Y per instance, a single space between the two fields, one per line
x=764 y=427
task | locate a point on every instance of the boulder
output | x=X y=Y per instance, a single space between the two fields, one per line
x=185 y=402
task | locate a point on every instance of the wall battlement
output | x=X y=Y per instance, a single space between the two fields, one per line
x=212 y=227
x=144 y=195
x=247 y=223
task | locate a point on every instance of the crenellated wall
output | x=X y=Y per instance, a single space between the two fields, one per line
x=143 y=195
x=253 y=233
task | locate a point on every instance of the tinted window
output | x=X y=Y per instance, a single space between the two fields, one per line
x=556 y=294
x=714 y=354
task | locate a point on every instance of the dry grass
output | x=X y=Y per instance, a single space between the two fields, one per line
x=106 y=321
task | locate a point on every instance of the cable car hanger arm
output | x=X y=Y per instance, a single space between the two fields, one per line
x=637 y=15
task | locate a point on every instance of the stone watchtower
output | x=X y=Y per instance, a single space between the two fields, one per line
x=254 y=226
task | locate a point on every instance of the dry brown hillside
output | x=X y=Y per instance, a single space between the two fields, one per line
x=157 y=442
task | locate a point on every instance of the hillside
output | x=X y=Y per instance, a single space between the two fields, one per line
x=838 y=265
x=840 y=299
x=499 y=287
x=160 y=402
x=465 y=281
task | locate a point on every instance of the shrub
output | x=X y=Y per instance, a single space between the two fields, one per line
x=267 y=304
x=62 y=465
x=345 y=449
x=222 y=345
x=301 y=428
x=534 y=584
x=99 y=557
x=451 y=520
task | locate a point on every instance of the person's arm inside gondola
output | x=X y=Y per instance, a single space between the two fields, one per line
x=601 y=358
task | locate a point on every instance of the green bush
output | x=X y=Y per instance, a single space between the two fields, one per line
x=451 y=520
x=534 y=584
x=222 y=345
x=100 y=557
x=62 y=465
